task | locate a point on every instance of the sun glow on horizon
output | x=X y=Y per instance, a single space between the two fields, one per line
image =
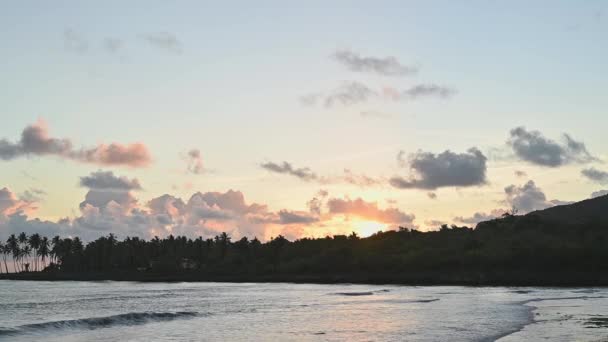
x=367 y=228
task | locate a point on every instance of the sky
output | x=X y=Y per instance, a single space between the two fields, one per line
x=147 y=118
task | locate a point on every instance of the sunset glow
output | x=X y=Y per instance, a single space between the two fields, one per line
x=367 y=228
x=300 y=129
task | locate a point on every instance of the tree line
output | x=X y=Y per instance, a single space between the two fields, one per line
x=510 y=244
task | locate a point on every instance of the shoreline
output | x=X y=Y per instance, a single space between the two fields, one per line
x=507 y=279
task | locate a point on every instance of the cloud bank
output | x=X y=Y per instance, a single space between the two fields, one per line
x=110 y=206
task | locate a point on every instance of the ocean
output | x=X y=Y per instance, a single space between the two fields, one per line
x=129 y=311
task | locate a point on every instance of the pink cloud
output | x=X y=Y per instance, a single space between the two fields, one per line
x=36 y=140
x=110 y=206
x=369 y=211
x=133 y=155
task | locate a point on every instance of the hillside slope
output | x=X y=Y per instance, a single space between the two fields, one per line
x=590 y=210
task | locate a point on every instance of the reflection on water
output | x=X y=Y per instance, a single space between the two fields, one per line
x=109 y=311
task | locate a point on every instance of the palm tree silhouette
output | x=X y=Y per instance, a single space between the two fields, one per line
x=26 y=251
x=22 y=238
x=276 y=246
x=55 y=242
x=43 y=251
x=34 y=243
x=13 y=246
x=223 y=241
x=6 y=250
x=1 y=252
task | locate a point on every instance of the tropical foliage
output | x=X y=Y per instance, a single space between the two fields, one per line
x=510 y=244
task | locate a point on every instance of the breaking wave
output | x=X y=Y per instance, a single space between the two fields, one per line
x=132 y=318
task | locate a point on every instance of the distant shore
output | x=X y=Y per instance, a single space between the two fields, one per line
x=558 y=279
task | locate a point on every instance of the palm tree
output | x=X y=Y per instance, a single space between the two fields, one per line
x=43 y=251
x=25 y=253
x=56 y=241
x=276 y=245
x=1 y=252
x=6 y=250
x=13 y=245
x=22 y=238
x=77 y=249
x=34 y=242
x=223 y=241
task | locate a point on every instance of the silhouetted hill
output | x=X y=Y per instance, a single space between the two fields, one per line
x=587 y=211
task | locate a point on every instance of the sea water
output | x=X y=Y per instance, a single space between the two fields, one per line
x=129 y=311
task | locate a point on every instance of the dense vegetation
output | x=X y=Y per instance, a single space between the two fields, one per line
x=513 y=249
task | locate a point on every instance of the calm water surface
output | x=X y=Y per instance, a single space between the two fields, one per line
x=124 y=311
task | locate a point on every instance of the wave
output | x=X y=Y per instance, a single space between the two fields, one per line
x=586 y=291
x=361 y=293
x=424 y=300
x=521 y=291
x=526 y=302
x=409 y=301
x=597 y=322
x=386 y=301
x=92 y=323
x=367 y=293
